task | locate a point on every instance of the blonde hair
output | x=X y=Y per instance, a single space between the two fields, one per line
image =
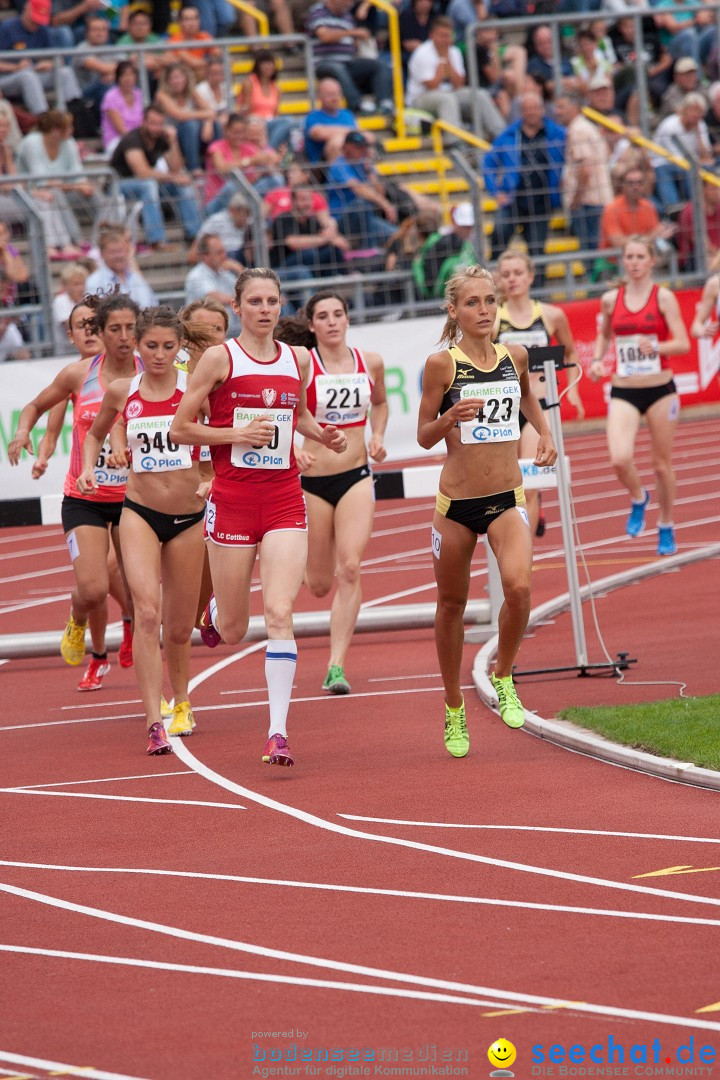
x=205 y=304
x=73 y=271
x=516 y=253
x=451 y=330
x=646 y=242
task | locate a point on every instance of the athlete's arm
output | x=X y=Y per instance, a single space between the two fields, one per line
x=602 y=341
x=546 y=453
x=46 y=447
x=703 y=325
x=561 y=330
x=378 y=407
x=678 y=342
x=437 y=377
x=65 y=383
x=307 y=425
x=113 y=403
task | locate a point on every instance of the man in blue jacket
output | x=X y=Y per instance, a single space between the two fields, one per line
x=523 y=173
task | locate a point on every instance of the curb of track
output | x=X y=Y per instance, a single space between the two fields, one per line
x=568 y=735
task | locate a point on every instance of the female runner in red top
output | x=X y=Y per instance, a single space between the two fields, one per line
x=161 y=522
x=345 y=386
x=255 y=387
x=86 y=518
x=648 y=329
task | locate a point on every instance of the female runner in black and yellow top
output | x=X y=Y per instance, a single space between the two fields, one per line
x=472 y=397
x=524 y=321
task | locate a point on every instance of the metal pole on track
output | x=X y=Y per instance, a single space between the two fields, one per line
x=563 y=489
x=305 y=624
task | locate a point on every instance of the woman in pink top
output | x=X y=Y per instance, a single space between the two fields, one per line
x=244 y=147
x=122 y=107
x=260 y=96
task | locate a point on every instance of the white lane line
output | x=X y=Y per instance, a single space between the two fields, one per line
x=253 y=976
x=25 y=604
x=105 y=704
x=28 y=553
x=23 y=538
x=36 y=574
x=62 y=1069
x=104 y=780
x=359 y=969
x=364 y=890
x=119 y=798
x=536 y=828
x=221 y=706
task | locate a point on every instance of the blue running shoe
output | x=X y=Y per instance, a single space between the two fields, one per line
x=666 y=540
x=636 y=521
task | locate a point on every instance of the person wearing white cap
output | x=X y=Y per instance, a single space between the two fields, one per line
x=445 y=252
x=686 y=80
x=672 y=184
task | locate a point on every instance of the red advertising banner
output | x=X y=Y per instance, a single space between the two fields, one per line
x=696 y=374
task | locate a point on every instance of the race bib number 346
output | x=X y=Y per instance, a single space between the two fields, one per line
x=498 y=418
x=152 y=448
x=274 y=456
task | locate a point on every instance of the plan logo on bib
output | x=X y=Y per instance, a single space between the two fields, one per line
x=268 y=397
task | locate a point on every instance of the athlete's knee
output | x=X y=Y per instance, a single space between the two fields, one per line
x=451 y=605
x=92 y=593
x=232 y=630
x=147 y=616
x=319 y=585
x=517 y=593
x=278 y=618
x=621 y=459
x=348 y=570
x=178 y=632
x=662 y=466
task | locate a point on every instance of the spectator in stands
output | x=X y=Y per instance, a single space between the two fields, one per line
x=244 y=147
x=12 y=135
x=29 y=79
x=121 y=109
x=690 y=33
x=217 y=17
x=72 y=279
x=189 y=31
x=688 y=228
x=586 y=183
x=415 y=21
x=540 y=64
x=686 y=80
x=401 y=251
x=523 y=171
x=655 y=59
x=260 y=96
x=501 y=69
x=214 y=90
x=629 y=214
x=51 y=155
x=231 y=226
x=136 y=159
x=282 y=18
x=588 y=60
x=10 y=209
x=437 y=83
x=601 y=94
x=214 y=278
x=13 y=272
x=444 y=252
x=139 y=32
x=335 y=35
x=672 y=183
x=712 y=119
x=95 y=74
x=116 y=268
x=357 y=198
x=279 y=200
x=183 y=108
x=305 y=240
x=327 y=126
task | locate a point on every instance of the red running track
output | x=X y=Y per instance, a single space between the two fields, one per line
x=158 y=915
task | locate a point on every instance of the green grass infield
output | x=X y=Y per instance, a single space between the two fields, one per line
x=687 y=729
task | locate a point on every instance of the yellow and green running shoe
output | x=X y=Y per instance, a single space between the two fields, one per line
x=511 y=710
x=457 y=740
x=72 y=645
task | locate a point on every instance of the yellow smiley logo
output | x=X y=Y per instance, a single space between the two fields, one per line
x=502 y=1053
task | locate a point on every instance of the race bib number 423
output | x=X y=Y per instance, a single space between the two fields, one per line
x=498 y=417
x=276 y=455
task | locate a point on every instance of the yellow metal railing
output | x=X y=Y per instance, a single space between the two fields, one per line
x=259 y=16
x=396 y=53
x=437 y=140
x=647 y=144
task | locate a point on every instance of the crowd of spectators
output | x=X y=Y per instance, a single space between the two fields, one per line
x=328 y=208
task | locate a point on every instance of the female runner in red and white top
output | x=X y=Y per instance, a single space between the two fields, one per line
x=648 y=329
x=107 y=325
x=345 y=387
x=255 y=387
x=161 y=521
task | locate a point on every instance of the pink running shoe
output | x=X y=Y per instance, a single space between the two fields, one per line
x=157 y=740
x=93 y=677
x=277 y=751
x=125 y=655
x=208 y=633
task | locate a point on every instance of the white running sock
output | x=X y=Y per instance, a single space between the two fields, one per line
x=280 y=661
x=212 y=609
